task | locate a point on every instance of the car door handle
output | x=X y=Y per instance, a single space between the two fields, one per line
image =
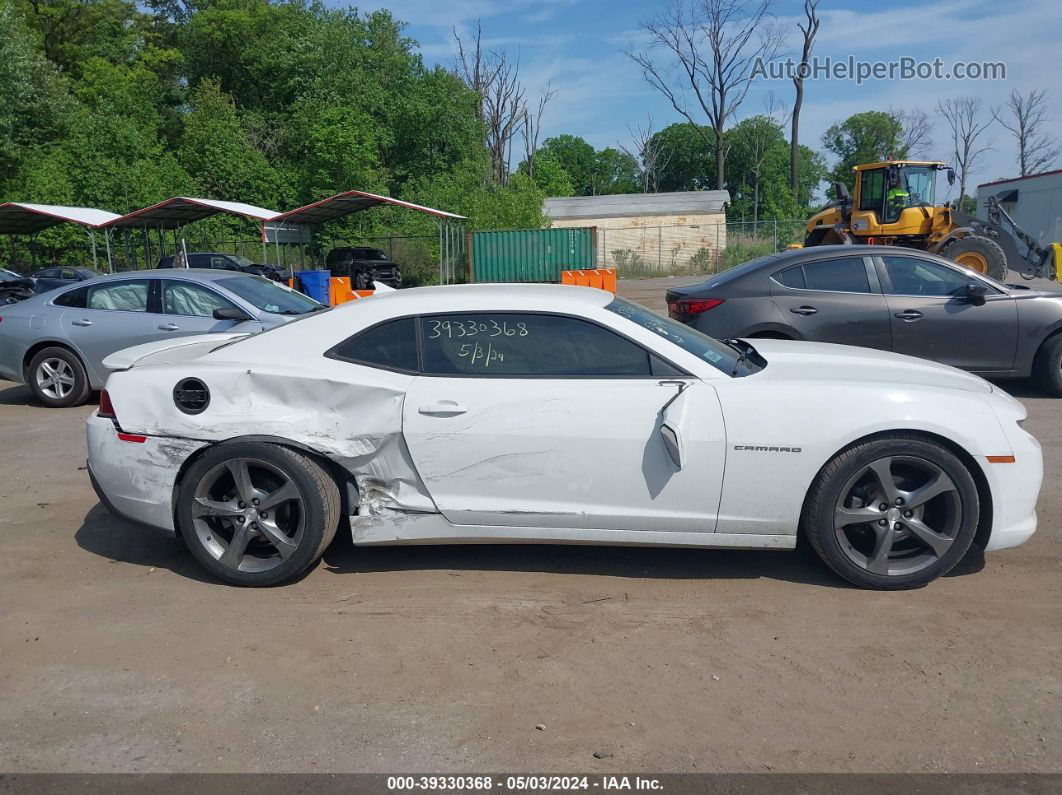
x=82 y=322
x=908 y=314
x=169 y=327
x=804 y=310
x=444 y=408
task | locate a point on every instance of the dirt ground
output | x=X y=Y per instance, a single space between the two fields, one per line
x=118 y=653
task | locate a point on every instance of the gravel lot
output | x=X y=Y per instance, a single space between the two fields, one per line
x=117 y=652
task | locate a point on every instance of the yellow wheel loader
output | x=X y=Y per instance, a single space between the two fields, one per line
x=894 y=205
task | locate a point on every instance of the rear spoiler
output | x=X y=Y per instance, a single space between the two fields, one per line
x=179 y=349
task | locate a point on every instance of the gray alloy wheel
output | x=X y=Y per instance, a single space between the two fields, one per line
x=255 y=513
x=54 y=378
x=897 y=515
x=892 y=512
x=248 y=515
x=58 y=378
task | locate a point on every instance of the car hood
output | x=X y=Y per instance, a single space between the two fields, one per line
x=821 y=361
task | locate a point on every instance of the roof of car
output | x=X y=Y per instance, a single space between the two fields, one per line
x=440 y=297
x=201 y=274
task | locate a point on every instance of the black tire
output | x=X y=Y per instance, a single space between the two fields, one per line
x=313 y=521
x=1047 y=366
x=984 y=250
x=910 y=450
x=68 y=367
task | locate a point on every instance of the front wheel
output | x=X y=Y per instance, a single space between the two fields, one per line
x=980 y=254
x=257 y=514
x=892 y=513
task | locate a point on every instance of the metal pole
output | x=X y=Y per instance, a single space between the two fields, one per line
x=107 y=239
x=775 y=234
x=92 y=239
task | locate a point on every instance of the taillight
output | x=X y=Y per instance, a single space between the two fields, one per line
x=688 y=307
x=106 y=409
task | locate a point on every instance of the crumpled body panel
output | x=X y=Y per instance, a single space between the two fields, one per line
x=356 y=423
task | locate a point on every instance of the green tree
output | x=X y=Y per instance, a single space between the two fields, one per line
x=576 y=157
x=615 y=172
x=686 y=160
x=35 y=102
x=863 y=138
x=216 y=151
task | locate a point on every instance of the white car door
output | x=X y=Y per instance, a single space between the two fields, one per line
x=541 y=420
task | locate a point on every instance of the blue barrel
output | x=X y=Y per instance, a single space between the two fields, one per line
x=315 y=284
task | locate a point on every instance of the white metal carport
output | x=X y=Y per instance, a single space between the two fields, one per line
x=17 y=218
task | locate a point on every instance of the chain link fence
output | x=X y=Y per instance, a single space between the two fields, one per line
x=645 y=252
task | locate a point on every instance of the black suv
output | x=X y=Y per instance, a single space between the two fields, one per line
x=227 y=262
x=363 y=266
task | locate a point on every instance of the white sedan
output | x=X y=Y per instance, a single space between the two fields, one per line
x=554 y=414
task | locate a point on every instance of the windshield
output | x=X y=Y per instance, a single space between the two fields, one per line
x=7 y=276
x=921 y=184
x=718 y=354
x=269 y=296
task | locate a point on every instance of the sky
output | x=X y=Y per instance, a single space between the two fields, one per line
x=578 y=46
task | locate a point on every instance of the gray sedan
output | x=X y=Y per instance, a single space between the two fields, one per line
x=57 y=342
x=885 y=297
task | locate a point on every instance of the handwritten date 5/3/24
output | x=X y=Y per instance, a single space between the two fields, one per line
x=452 y=329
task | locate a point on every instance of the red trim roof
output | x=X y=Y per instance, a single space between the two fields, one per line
x=351 y=201
x=1019 y=179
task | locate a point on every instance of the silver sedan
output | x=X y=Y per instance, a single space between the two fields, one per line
x=57 y=342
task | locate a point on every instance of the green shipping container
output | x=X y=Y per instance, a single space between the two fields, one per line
x=529 y=255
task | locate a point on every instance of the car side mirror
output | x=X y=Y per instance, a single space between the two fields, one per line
x=841 y=190
x=975 y=294
x=232 y=313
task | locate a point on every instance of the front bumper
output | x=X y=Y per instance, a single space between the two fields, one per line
x=136 y=480
x=1015 y=486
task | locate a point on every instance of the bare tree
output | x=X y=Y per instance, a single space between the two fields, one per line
x=496 y=80
x=963 y=117
x=916 y=132
x=1037 y=149
x=709 y=47
x=532 y=127
x=649 y=152
x=809 y=30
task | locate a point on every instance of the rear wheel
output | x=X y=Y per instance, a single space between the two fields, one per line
x=1047 y=366
x=58 y=378
x=892 y=513
x=980 y=254
x=257 y=514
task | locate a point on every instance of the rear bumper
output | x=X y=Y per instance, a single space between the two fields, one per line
x=136 y=480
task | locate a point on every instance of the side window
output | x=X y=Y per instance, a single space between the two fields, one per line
x=74 y=299
x=872 y=193
x=186 y=298
x=911 y=276
x=791 y=277
x=131 y=296
x=391 y=345
x=70 y=275
x=48 y=273
x=516 y=344
x=842 y=275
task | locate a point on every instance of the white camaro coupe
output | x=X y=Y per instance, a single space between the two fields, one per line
x=554 y=414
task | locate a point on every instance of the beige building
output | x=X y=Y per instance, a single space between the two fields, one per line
x=647 y=232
